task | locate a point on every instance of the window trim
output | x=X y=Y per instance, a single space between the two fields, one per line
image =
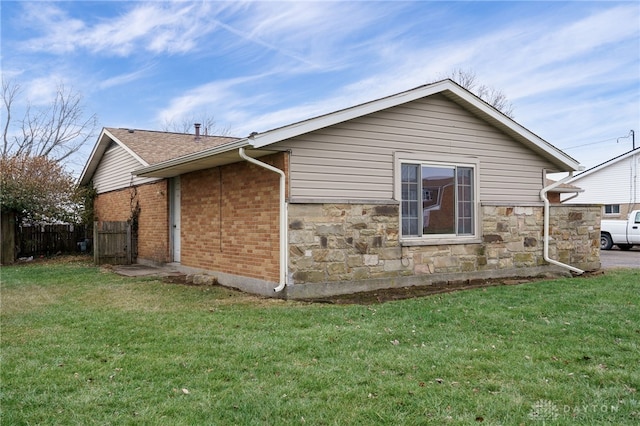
x=612 y=213
x=442 y=161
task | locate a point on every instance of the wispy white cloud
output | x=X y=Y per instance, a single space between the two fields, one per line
x=324 y=36
x=260 y=65
x=41 y=91
x=167 y=27
x=584 y=36
x=307 y=39
x=122 y=79
x=209 y=97
x=60 y=31
x=559 y=76
x=579 y=53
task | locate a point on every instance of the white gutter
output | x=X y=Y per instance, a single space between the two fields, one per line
x=155 y=170
x=283 y=217
x=543 y=195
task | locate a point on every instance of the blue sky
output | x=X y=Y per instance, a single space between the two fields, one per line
x=570 y=69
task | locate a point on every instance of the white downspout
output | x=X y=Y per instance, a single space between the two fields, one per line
x=283 y=217
x=543 y=195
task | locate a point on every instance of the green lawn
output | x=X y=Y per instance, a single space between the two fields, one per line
x=84 y=346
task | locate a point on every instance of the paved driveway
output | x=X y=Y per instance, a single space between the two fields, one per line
x=616 y=258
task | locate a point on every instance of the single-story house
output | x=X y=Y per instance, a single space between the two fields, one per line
x=615 y=184
x=426 y=186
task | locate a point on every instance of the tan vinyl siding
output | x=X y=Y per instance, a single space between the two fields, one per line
x=114 y=170
x=355 y=159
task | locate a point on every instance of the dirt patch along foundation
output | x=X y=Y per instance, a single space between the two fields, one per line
x=390 y=294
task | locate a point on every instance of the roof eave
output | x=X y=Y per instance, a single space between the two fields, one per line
x=564 y=162
x=177 y=166
x=93 y=161
x=456 y=93
x=605 y=164
x=567 y=190
x=296 y=129
x=98 y=151
x=447 y=87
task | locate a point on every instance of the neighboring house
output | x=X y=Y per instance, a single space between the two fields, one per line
x=615 y=184
x=429 y=185
x=563 y=191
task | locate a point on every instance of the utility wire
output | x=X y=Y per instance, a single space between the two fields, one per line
x=602 y=141
x=590 y=143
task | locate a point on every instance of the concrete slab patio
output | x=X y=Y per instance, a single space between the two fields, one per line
x=138 y=270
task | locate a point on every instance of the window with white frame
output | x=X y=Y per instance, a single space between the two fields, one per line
x=612 y=209
x=437 y=199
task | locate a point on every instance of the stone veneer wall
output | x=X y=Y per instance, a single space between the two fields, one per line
x=357 y=247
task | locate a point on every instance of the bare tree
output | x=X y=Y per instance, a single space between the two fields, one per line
x=494 y=97
x=186 y=125
x=465 y=78
x=55 y=132
x=9 y=93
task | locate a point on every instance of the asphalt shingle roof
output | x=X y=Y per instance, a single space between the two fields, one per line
x=155 y=147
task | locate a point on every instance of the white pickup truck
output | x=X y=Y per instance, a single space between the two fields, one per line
x=622 y=233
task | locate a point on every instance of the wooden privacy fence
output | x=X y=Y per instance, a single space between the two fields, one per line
x=113 y=243
x=49 y=239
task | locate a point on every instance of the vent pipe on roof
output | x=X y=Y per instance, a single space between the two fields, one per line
x=197 y=126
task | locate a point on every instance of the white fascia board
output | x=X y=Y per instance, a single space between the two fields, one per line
x=513 y=126
x=589 y=172
x=98 y=151
x=126 y=148
x=89 y=166
x=604 y=165
x=261 y=140
x=176 y=162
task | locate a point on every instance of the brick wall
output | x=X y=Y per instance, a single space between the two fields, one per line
x=113 y=206
x=153 y=229
x=230 y=219
x=153 y=221
x=351 y=242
